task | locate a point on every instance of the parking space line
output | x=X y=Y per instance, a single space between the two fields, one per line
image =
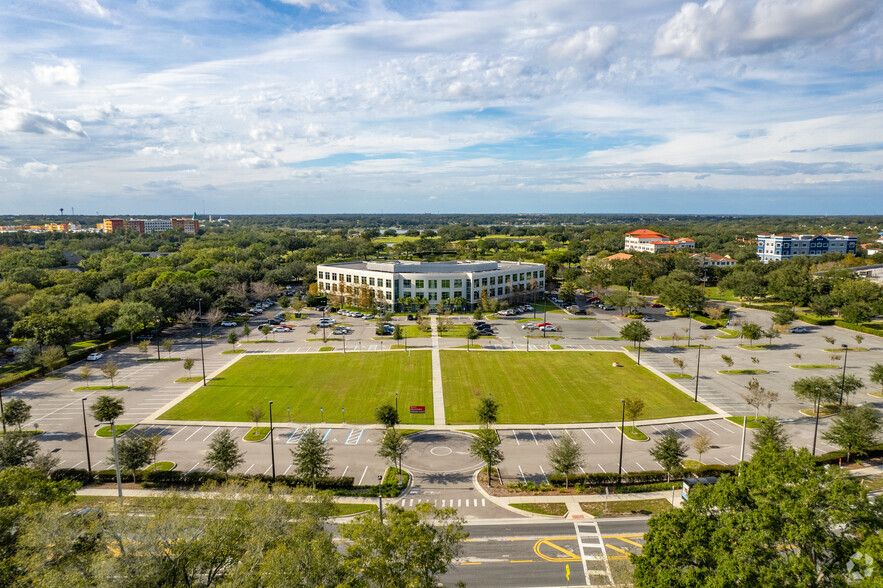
x=344 y=471
x=267 y=471
x=210 y=434
x=193 y=433
x=689 y=427
x=643 y=469
x=720 y=460
x=534 y=437
x=523 y=477
x=551 y=436
x=76 y=464
x=328 y=432
x=363 y=476
x=193 y=468
x=288 y=468
x=589 y=436
x=713 y=432
x=515 y=434
x=545 y=477
x=249 y=468
x=177 y=432
x=602 y=468
x=605 y=434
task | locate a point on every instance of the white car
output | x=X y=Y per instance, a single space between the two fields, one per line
x=650 y=319
x=228 y=324
x=548 y=328
x=94 y=356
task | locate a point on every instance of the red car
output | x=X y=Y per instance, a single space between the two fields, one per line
x=593 y=299
x=544 y=324
x=657 y=305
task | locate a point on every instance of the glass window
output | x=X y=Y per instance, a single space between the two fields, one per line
x=446 y=295
x=433 y=296
x=389 y=295
x=419 y=295
x=406 y=294
x=542 y=273
x=484 y=281
x=371 y=281
x=458 y=283
x=349 y=278
x=521 y=279
x=458 y=294
x=364 y=280
x=432 y=283
x=446 y=283
x=419 y=283
x=333 y=276
x=493 y=280
x=475 y=295
x=406 y=283
x=388 y=285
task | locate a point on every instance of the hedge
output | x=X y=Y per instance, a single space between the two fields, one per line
x=814 y=320
x=636 y=479
x=859 y=328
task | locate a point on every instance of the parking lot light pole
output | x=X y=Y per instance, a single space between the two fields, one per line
x=1 y=412
x=621 y=439
x=199 y=316
x=157 y=338
x=272 y=450
x=744 y=431
x=116 y=460
x=815 y=432
x=86 y=437
x=843 y=375
x=689 y=325
x=696 y=391
x=380 y=496
x=202 y=356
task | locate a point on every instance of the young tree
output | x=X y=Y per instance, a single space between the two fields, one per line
x=256 y=414
x=679 y=363
x=471 y=335
x=670 y=452
x=634 y=406
x=877 y=374
x=85 y=373
x=387 y=416
x=107 y=409
x=49 y=359
x=855 y=430
x=214 y=316
x=727 y=360
x=702 y=444
x=485 y=447
x=155 y=444
x=784 y=317
x=752 y=332
x=16 y=412
x=223 y=453
x=408 y=548
x=637 y=333
x=487 y=411
x=246 y=330
x=312 y=458
x=110 y=370
x=188 y=365
x=770 y=431
x=188 y=317
x=477 y=314
x=167 y=345
x=830 y=340
x=815 y=389
x=17 y=449
x=265 y=329
x=392 y=448
x=771 y=333
x=144 y=347
x=232 y=338
x=566 y=457
x=398 y=333
x=756 y=396
x=859 y=338
x=846 y=385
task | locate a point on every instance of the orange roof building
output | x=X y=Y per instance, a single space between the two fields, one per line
x=653 y=242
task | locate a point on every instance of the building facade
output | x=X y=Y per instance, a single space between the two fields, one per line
x=387 y=283
x=152 y=225
x=772 y=247
x=188 y=225
x=157 y=225
x=707 y=259
x=653 y=242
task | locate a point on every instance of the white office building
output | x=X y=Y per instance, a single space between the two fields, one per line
x=157 y=225
x=772 y=247
x=434 y=282
x=653 y=242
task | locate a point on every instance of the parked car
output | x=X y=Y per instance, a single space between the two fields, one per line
x=340 y=331
x=13 y=349
x=368 y=316
x=798 y=330
x=94 y=356
x=656 y=305
x=707 y=327
x=228 y=323
x=650 y=319
x=607 y=307
x=411 y=317
x=280 y=330
x=548 y=328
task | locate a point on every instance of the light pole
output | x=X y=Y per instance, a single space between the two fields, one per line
x=322 y=413
x=1 y=412
x=397 y=403
x=272 y=450
x=202 y=356
x=689 y=325
x=621 y=439
x=199 y=316
x=818 y=410
x=157 y=339
x=86 y=437
x=744 y=430
x=380 y=496
x=116 y=460
x=843 y=375
x=698 y=357
x=343 y=412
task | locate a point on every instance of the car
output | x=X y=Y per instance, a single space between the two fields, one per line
x=280 y=330
x=707 y=327
x=340 y=331
x=548 y=328
x=13 y=349
x=593 y=299
x=228 y=324
x=650 y=319
x=798 y=330
x=607 y=307
x=94 y=356
x=368 y=316
x=275 y=321
x=411 y=317
x=544 y=324
x=528 y=308
x=656 y=305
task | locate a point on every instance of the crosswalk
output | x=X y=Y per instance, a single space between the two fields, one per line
x=457 y=503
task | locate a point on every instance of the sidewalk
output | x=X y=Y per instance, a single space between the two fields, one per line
x=438 y=394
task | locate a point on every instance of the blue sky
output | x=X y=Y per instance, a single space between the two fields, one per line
x=305 y=106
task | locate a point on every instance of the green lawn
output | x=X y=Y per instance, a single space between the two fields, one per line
x=357 y=382
x=569 y=387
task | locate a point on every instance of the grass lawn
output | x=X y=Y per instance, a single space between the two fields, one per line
x=626 y=507
x=680 y=376
x=815 y=366
x=257 y=434
x=459 y=332
x=634 y=433
x=413 y=332
x=715 y=293
x=555 y=509
x=160 y=466
x=356 y=382
x=569 y=387
x=233 y=351
x=753 y=423
x=728 y=334
x=742 y=372
x=188 y=379
x=105 y=431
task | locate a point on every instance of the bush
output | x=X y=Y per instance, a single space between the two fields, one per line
x=859 y=328
x=814 y=320
x=81 y=476
x=657 y=487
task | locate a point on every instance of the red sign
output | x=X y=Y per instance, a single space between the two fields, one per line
x=418 y=410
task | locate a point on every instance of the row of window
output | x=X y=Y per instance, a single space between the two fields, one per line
x=432 y=284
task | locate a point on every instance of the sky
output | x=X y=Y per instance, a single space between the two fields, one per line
x=150 y=107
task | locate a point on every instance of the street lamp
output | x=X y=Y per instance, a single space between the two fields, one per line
x=1 y=411
x=322 y=413
x=380 y=496
x=621 y=439
x=157 y=338
x=199 y=300
x=843 y=375
x=818 y=410
x=397 y=403
x=202 y=356
x=86 y=437
x=272 y=450
x=689 y=324
x=698 y=357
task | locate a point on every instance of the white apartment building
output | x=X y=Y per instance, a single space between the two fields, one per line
x=772 y=247
x=705 y=260
x=653 y=242
x=433 y=281
x=157 y=225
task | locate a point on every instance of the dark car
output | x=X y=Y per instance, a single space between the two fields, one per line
x=657 y=305
x=707 y=327
x=411 y=317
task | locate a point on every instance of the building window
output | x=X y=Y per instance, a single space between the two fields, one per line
x=458 y=283
x=493 y=280
x=389 y=295
x=406 y=294
x=433 y=296
x=446 y=283
x=521 y=278
x=406 y=283
x=475 y=295
x=542 y=273
x=484 y=281
x=419 y=295
x=389 y=283
x=419 y=283
x=458 y=294
x=364 y=280
x=432 y=283
x=349 y=278
x=334 y=277
x=370 y=281
x=445 y=295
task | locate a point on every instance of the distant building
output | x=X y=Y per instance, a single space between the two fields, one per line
x=112 y=225
x=772 y=247
x=653 y=242
x=153 y=225
x=157 y=225
x=189 y=225
x=707 y=259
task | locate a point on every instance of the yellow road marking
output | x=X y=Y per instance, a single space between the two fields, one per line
x=570 y=555
x=624 y=540
x=520 y=561
x=616 y=548
x=470 y=563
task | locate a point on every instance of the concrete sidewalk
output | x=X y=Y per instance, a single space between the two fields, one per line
x=438 y=394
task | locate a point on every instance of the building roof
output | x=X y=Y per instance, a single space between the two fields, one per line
x=714 y=256
x=436 y=267
x=618 y=257
x=647 y=234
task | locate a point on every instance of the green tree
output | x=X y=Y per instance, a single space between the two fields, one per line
x=784 y=317
x=135 y=316
x=17 y=449
x=393 y=448
x=255 y=414
x=877 y=374
x=816 y=389
x=757 y=396
x=265 y=329
x=770 y=431
x=85 y=373
x=702 y=444
x=312 y=458
x=16 y=412
x=727 y=360
x=134 y=453
x=633 y=406
x=223 y=453
x=155 y=445
x=188 y=365
x=752 y=332
x=477 y=314
x=144 y=347
x=782 y=521
x=409 y=548
x=679 y=363
x=246 y=331
x=167 y=345
x=567 y=293
x=49 y=359
x=771 y=333
x=387 y=416
x=110 y=370
x=232 y=338
x=617 y=298
x=487 y=411
x=681 y=296
x=471 y=335
x=637 y=333
x=846 y=385
x=485 y=446
x=855 y=430
x=566 y=457
x=107 y=409
x=670 y=452
x=398 y=333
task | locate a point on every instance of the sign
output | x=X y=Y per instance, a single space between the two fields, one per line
x=418 y=410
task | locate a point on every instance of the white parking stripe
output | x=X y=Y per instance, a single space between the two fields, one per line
x=194 y=433
x=363 y=476
x=210 y=434
x=605 y=434
x=589 y=436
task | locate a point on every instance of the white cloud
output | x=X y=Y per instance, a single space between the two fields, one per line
x=591 y=44
x=67 y=72
x=93 y=8
x=28 y=121
x=33 y=168
x=323 y=5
